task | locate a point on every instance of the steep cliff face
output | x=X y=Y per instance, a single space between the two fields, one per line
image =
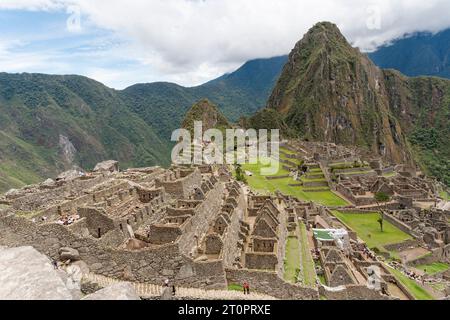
x=422 y=107
x=329 y=91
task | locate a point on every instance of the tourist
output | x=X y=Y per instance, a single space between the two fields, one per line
x=174 y=290
x=246 y=287
x=166 y=283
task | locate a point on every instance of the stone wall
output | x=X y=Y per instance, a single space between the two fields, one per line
x=197 y=226
x=261 y=261
x=402 y=226
x=37 y=200
x=353 y=292
x=314 y=184
x=231 y=249
x=271 y=284
x=402 y=245
x=181 y=188
x=96 y=221
x=152 y=265
x=437 y=255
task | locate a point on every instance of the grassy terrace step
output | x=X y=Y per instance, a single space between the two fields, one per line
x=412 y=286
x=287 y=151
x=292 y=260
x=434 y=268
x=351 y=173
x=308 y=266
x=259 y=183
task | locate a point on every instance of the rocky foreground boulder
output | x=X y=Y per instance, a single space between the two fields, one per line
x=26 y=274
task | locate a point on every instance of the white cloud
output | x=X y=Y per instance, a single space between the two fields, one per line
x=32 y=4
x=191 y=41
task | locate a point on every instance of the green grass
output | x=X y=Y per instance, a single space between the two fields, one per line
x=367 y=224
x=304 y=179
x=287 y=151
x=444 y=195
x=412 y=286
x=356 y=172
x=235 y=287
x=368 y=229
x=261 y=184
x=308 y=267
x=433 y=268
x=389 y=175
x=292 y=260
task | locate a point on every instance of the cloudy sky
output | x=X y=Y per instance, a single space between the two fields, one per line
x=122 y=42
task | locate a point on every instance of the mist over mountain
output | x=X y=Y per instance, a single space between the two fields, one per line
x=417 y=55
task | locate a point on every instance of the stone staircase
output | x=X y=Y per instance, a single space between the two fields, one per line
x=148 y=290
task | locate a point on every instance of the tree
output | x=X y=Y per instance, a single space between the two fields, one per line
x=240 y=174
x=381 y=197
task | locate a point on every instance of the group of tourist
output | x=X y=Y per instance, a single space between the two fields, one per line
x=369 y=253
x=68 y=220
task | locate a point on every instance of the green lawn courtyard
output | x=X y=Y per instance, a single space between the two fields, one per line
x=259 y=183
x=368 y=229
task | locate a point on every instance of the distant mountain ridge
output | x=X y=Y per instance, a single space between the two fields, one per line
x=420 y=54
x=48 y=123
x=241 y=93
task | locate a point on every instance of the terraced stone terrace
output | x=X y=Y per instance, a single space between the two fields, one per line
x=287 y=185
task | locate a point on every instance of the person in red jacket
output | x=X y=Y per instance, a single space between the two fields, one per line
x=246 y=287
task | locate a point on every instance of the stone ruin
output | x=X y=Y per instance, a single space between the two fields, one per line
x=191 y=225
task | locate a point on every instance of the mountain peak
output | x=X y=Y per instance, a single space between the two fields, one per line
x=330 y=91
x=325 y=38
x=206 y=112
x=325 y=27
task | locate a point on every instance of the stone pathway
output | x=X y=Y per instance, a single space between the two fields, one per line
x=148 y=290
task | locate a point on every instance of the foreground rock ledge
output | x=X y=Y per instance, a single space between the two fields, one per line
x=26 y=274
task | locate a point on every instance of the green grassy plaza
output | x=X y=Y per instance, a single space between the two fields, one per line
x=259 y=183
x=368 y=229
